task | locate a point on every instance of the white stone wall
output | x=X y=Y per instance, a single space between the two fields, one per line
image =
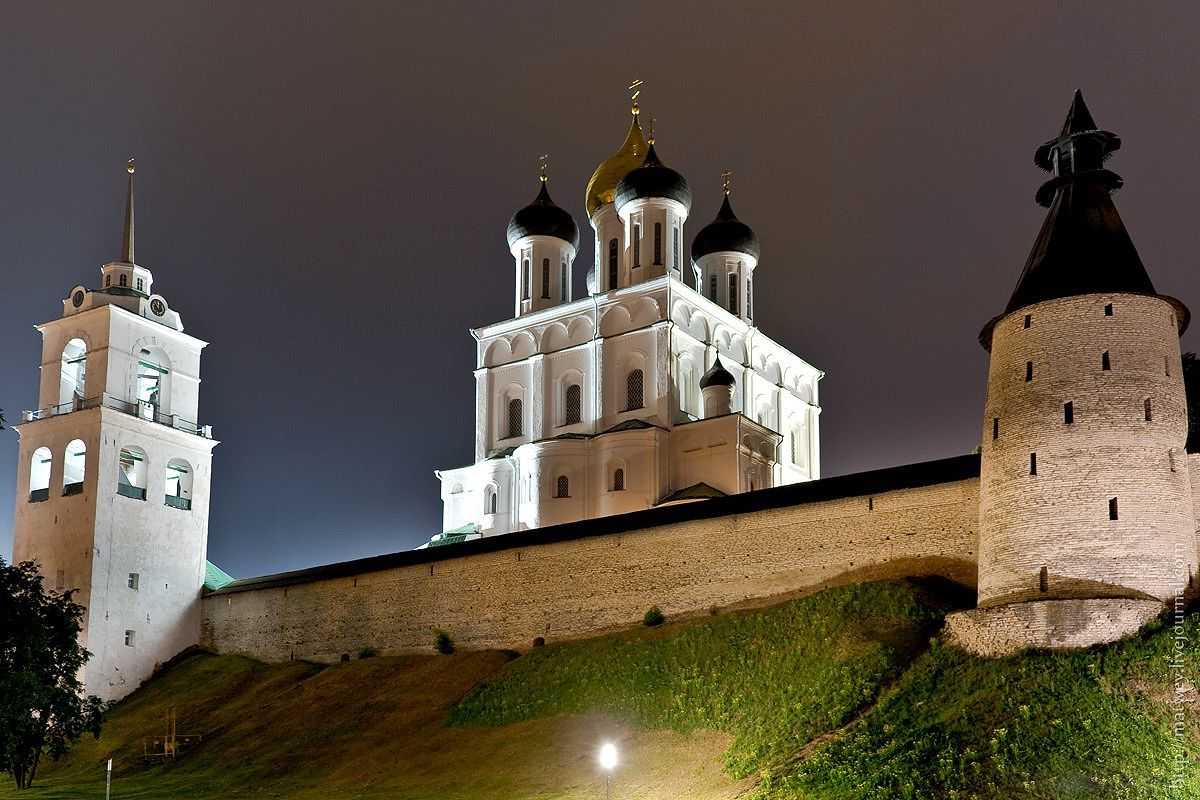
x=1047 y=624
x=1058 y=520
x=587 y=585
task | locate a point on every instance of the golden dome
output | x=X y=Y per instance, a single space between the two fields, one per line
x=603 y=184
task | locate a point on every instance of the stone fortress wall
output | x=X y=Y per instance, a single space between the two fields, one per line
x=585 y=578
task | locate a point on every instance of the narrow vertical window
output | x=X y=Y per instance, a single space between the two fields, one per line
x=1044 y=580
x=492 y=502
x=749 y=299
x=995 y=428
x=637 y=245
x=129 y=638
x=107 y=281
x=123 y=280
x=1167 y=365
x=1149 y=412
x=525 y=279
x=1028 y=320
x=1108 y=310
x=1068 y=412
x=612 y=264
x=1028 y=371
x=712 y=288
x=733 y=293
x=675 y=246
x=562 y=487
x=545 y=279
x=658 y=243
x=132 y=582
x=563 y=288
x=572 y=411
x=1112 y=508
x=141 y=285
x=1105 y=363
x=516 y=417
x=619 y=480
x=635 y=390
x=1033 y=463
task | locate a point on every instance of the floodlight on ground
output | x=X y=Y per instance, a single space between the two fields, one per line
x=608 y=756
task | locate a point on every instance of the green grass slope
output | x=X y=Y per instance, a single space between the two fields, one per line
x=835 y=695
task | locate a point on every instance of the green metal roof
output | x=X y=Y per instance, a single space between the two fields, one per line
x=215 y=577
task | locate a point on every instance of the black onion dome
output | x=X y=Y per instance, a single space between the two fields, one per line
x=717 y=375
x=725 y=234
x=653 y=179
x=543 y=218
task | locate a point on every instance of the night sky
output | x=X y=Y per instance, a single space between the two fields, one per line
x=323 y=196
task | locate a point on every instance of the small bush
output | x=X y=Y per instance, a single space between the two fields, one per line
x=654 y=617
x=442 y=643
x=368 y=652
x=539 y=641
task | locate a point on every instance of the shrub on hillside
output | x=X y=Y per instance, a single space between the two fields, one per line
x=368 y=652
x=654 y=617
x=442 y=642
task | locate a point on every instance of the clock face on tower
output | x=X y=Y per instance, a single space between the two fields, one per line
x=77 y=298
x=158 y=307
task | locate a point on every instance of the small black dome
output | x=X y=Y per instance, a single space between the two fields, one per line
x=543 y=218
x=653 y=179
x=725 y=234
x=717 y=375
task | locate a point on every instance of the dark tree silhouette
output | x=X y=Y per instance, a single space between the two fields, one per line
x=42 y=706
x=1191 y=385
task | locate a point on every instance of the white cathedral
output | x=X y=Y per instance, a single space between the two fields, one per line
x=655 y=388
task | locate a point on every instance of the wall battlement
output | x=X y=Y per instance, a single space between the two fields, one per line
x=578 y=580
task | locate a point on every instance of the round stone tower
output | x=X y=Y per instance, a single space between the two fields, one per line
x=1086 y=525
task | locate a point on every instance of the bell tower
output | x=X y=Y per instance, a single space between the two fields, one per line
x=113 y=479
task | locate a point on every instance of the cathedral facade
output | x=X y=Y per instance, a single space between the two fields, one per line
x=655 y=388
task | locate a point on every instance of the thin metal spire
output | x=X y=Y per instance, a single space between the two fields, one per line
x=127 y=242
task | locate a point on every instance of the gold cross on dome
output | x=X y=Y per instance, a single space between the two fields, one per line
x=543 y=164
x=636 y=89
x=727 y=180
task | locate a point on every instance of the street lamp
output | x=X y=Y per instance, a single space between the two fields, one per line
x=608 y=760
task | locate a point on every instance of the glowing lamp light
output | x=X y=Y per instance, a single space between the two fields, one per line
x=608 y=756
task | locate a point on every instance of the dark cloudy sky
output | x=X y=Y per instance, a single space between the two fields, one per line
x=324 y=190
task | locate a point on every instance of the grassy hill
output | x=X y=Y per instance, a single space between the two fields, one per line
x=836 y=695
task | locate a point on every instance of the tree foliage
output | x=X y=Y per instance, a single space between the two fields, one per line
x=43 y=710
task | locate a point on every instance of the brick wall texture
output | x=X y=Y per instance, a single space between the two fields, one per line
x=1049 y=535
x=569 y=589
x=1047 y=624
